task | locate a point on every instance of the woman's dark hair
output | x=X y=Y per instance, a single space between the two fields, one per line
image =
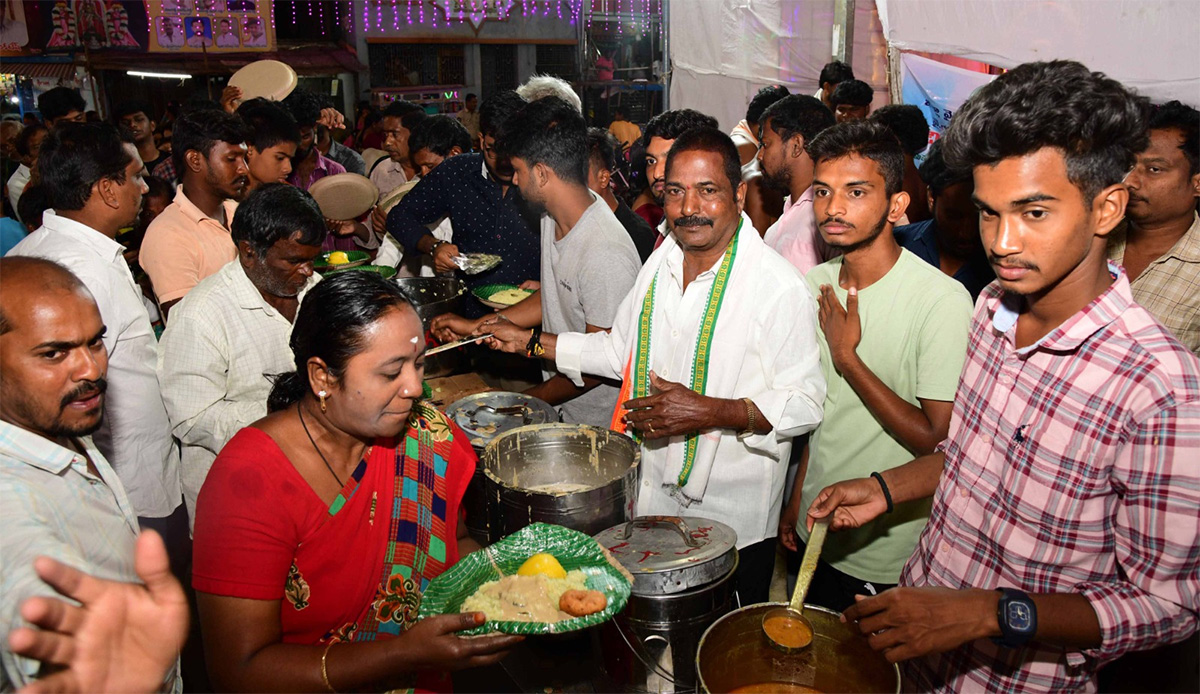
x=602 y=148
x=669 y=125
x=709 y=140
x=907 y=123
x=763 y=100
x=275 y=212
x=201 y=131
x=75 y=156
x=439 y=134
x=798 y=114
x=269 y=124
x=332 y=323
x=496 y=109
x=549 y=131
x=1175 y=115
x=853 y=92
x=835 y=72
x=867 y=139
x=1096 y=123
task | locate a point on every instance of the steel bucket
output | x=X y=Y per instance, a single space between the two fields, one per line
x=734 y=653
x=577 y=476
x=434 y=296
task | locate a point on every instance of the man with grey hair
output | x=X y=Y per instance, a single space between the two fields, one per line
x=540 y=86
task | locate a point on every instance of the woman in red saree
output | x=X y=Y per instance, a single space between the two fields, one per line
x=320 y=525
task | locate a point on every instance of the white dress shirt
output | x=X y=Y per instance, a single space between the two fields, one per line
x=768 y=302
x=134 y=435
x=16 y=185
x=218 y=356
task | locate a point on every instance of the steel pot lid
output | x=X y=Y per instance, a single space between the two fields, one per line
x=672 y=554
x=484 y=416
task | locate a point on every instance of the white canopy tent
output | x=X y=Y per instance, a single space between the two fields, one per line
x=722 y=51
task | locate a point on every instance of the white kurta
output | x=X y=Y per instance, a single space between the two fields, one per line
x=767 y=301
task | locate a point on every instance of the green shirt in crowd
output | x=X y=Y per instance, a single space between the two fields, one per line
x=915 y=322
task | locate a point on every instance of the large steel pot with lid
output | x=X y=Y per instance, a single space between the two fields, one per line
x=683 y=569
x=483 y=417
x=432 y=297
x=735 y=657
x=578 y=476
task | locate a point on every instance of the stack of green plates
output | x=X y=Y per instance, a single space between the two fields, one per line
x=384 y=271
x=574 y=550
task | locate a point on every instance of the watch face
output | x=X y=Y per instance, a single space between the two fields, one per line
x=1019 y=617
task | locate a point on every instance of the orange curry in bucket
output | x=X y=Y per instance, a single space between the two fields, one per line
x=788 y=632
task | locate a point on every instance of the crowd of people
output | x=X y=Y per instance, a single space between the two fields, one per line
x=976 y=360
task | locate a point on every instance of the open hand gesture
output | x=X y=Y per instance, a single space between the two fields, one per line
x=123 y=637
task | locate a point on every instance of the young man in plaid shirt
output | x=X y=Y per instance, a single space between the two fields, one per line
x=1066 y=497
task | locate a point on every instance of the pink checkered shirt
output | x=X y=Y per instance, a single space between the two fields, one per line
x=1072 y=466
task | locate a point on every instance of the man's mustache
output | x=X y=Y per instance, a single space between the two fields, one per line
x=837 y=220
x=86 y=390
x=693 y=221
x=1011 y=262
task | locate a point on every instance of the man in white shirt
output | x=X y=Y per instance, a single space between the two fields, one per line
x=717 y=347
x=589 y=263
x=229 y=336
x=27 y=145
x=94 y=183
x=787 y=126
x=59 y=498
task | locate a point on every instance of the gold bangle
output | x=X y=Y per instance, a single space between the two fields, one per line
x=324 y=669
x=749 y=416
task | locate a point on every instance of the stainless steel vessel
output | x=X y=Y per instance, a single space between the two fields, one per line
x=578 y=476
x=734 y=652
x=483 y=417
x=683 y=569
x=434 y=296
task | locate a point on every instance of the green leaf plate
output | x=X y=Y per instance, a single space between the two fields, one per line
x=483 y=291
x=574 y=550
x=384 y=271
x=356 y=258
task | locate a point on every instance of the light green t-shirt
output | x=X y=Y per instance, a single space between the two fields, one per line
x=915 y=322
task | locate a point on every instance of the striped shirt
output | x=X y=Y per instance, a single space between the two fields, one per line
x=1169 y=287
x=51 y=505
x=1071 y=467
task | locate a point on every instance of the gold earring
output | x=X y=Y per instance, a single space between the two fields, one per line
x=322 y=395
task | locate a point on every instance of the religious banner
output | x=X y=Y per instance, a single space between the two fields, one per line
x=94 y=24
x=212 y=26
x=14 y=32
x=937 y=89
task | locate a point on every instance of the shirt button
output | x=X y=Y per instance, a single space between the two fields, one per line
x=674 y=333
x=945 y=548
x=964 y=492
x=986 y=439
x=1005 y=379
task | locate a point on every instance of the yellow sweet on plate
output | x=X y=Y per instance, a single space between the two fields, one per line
x=338 y=258
x=542 y=564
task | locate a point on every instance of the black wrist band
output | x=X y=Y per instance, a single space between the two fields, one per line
x=887 y=494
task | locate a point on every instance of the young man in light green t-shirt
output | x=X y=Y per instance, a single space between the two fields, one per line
x=893 y=339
